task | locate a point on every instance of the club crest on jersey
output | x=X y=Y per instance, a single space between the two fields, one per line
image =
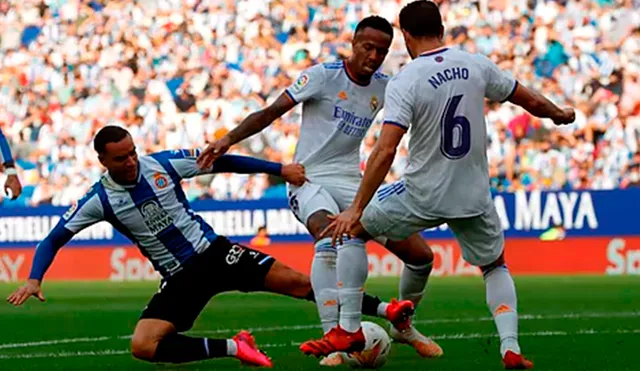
x=160 y=180
x=155 y=218
x=301 y=82
x=374 y=103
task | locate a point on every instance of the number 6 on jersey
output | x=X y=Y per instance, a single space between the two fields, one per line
x=455 y=135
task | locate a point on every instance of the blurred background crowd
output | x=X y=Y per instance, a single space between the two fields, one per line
x=179 y=73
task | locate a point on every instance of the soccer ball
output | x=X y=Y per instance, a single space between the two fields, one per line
x=376 y=349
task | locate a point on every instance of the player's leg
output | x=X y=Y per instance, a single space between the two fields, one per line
x=352 y=265
x=482 y=243
x=378 y=222
x=391 y=216
x=175 y=307
x=418 y=262
x=284 y=280
x=324 y=276
x=311 y=204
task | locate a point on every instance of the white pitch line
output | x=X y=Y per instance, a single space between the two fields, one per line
x=461 y=336
x=54 y=342
x=98 y=353
x=524 y=317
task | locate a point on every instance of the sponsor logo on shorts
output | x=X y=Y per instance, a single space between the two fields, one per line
x=234 y=255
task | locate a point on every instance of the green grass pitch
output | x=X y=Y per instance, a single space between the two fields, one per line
x=568 y=323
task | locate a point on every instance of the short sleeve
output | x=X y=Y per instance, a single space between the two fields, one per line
x=398 y=109
x=182 y=162
x=309 y=84
x=500 y=84
x=83 y=213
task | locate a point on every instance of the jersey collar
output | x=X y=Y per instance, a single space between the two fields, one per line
x=111 y=183
x=346 y=72
x=434 y=52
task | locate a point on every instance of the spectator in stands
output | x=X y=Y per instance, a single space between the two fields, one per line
x=261 y=239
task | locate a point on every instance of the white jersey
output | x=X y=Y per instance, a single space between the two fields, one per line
x=336 y=115
x=439 y=97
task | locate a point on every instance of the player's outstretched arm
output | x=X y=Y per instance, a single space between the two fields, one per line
x=292 y=173
x=309 y=85
x=45 y=253
x=252 y=124
x=86 y=212
x=184 y=163
x=539 y=106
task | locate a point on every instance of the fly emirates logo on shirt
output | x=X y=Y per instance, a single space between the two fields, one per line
x=350 y=123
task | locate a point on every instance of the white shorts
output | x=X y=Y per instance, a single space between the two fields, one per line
x=389 y=214
x=311 y=197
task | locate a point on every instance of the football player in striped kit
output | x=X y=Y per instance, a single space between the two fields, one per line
x=142 y=198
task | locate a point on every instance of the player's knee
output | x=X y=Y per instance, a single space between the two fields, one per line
x=283 y=280
x=300 y=285
x=497 y=263
x=317 y=222
x=143 y=348
x=414 y=250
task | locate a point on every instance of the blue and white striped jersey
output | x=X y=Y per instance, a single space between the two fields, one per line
x=154 y=213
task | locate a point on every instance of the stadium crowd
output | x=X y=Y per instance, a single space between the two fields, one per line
x=179 y=73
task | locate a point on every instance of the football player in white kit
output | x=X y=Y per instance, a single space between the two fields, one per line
x=339 y=102
x=439 y=97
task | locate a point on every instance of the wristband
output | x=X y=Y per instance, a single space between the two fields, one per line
x=11 y=171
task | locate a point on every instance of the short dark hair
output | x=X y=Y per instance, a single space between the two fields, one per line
x=108 y=134
x=375 y=22
x=421 y=18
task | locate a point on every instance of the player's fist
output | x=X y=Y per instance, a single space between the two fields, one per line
x=12 y=187
x=567 y=116
x=31 y=288
x=294 y=174
x=213 y=152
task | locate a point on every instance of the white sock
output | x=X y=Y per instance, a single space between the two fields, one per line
x=324 y=281
x=232 y=347
x=503 y=304
x=413 y=282
x=382 y=309
x=353 y=268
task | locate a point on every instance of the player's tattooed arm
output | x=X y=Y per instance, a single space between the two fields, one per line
x=252 y=124
x=257 y=121
x=539 y=106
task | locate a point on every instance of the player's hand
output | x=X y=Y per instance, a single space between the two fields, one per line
x=12 y=187
x=213 y=152
x=294 y=174
x=31 y=288
x=342 y=224
x=567 y=117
